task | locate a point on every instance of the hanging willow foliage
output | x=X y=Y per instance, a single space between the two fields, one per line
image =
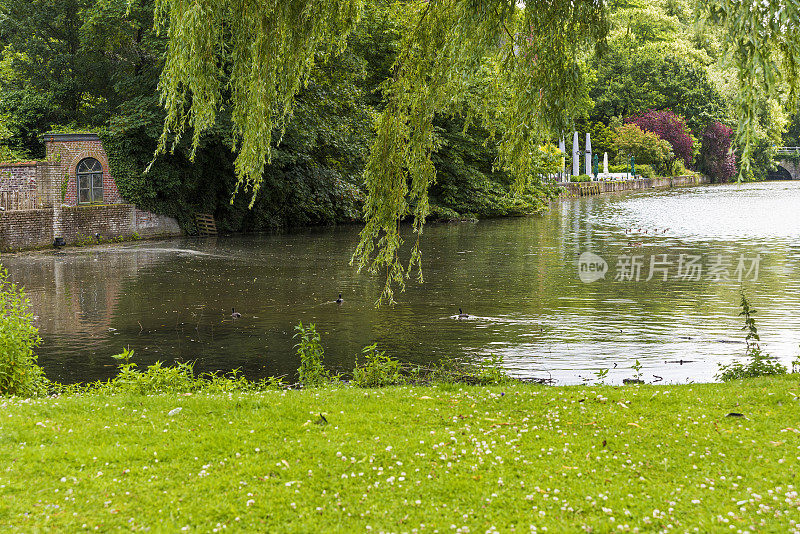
x=251 y=55
x=254 y=56
x=762 y=44
x=534 y=61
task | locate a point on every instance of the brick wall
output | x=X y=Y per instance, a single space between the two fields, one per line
x=86 y=221
x=18 y=176
x=26 y=229
x=43 y=180
x=18 y=186
x=67 y=150
x=40 y=185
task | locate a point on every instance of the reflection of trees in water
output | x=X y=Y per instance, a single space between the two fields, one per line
x=76 y=293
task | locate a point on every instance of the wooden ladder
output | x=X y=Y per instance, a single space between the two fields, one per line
x=206 y=226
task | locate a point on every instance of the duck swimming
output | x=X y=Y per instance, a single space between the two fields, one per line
x=340 y=299
x=235 y=314
x=462 y=315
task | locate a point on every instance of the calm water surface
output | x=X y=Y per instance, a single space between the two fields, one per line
x=518 y=278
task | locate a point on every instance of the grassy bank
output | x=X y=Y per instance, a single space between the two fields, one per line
x=447 y=458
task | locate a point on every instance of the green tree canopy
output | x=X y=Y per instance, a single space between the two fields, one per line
x=632 y=82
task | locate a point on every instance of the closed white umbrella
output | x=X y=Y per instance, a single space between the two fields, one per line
x=605 y=162
x=588 y=164
x=562 y=147
x=576 y=167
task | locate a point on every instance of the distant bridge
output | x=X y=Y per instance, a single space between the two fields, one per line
x=788 y=162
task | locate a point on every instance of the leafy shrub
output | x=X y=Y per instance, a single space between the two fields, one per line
x=716 y=158
x=442 y=213
x=19 y=373
x=676 y=168
x=84 y=240
x=671 y=128
x=311 y=372
x=646 y=147
x=580 y=178
x=158 y=378
x=760 y=364
x=645 y=171
x=619 y=168
x=379 y=370
x=155 y=379
x=490 y=371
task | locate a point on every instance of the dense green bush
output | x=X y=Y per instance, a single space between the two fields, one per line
x=645 y=147
x=580 y=178
x=378 y=370
x=759 y=365
x=677 y=168
x=19 y=373
x=467 y=182
x=645 y=171
x=158 y=379
x=619 y=168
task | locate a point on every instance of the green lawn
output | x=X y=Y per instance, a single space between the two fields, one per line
x=517 y=458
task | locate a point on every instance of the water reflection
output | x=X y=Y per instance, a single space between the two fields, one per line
x=517 y=278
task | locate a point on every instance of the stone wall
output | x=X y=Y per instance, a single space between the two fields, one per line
x=582 y=189
x=23 y=229
x=26 y=229
x=792 y=167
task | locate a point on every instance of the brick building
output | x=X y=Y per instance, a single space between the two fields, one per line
x=70 y=195
x=81 y=161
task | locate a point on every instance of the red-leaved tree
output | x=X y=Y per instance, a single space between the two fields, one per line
x=671 y=128
x=716 y=158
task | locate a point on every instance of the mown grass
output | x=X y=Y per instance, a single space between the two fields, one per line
x=444 y=458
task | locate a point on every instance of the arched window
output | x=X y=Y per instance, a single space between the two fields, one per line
x=90 y=181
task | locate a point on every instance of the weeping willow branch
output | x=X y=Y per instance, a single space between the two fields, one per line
x=260 y=52
x=763 y=46
x=531 y=83
x=521 y=68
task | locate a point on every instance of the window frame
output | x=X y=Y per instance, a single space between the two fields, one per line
x=90 y=177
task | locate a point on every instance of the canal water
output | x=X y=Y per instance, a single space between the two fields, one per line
x=532 y=287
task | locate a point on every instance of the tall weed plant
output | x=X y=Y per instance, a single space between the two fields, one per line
x=312 y=372
x=760 y=364
x=19 y=373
